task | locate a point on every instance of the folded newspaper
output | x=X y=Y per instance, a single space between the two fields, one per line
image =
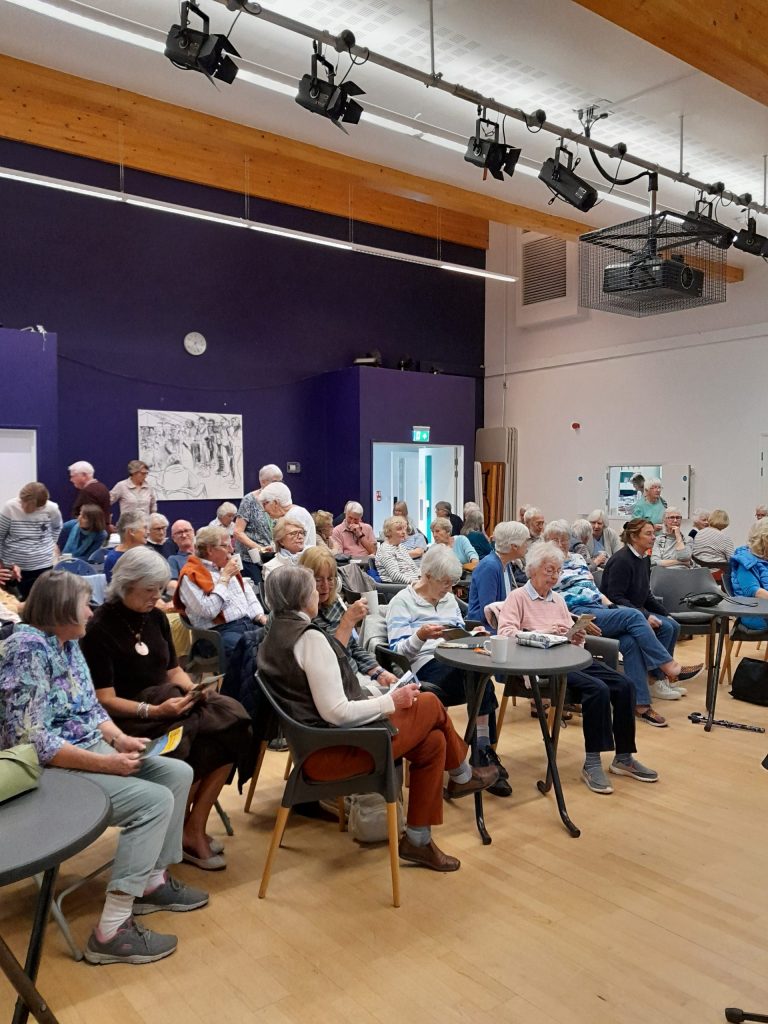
x=528 y=638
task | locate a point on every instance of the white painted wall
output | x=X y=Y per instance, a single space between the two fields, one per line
x=688 y=387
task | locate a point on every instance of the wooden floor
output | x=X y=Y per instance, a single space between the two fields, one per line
x=658 y=913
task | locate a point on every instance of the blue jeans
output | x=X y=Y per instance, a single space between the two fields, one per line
x=642 y=647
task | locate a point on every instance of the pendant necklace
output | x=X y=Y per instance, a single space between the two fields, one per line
x=139 y=646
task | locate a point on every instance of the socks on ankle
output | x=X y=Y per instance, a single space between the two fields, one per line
x=117 y=909
x=155 y=880
x=418 y=835
x=623 y=759
x=463 y=773
x=483 y=731
x=592 y=760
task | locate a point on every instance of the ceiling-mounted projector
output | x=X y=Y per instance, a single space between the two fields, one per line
x=665 y=278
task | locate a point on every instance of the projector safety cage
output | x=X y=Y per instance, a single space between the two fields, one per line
x=655 y=264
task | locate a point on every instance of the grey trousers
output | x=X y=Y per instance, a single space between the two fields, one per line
x=150 y=808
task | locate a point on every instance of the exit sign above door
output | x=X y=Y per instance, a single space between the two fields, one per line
x=420 y=434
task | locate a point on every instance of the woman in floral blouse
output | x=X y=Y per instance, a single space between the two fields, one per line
x=47 y=699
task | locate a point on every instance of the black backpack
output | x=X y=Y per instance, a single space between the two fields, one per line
x=750 y=682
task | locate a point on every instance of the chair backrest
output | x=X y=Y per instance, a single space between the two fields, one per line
x=387 y=591
x=671 y=585
x=373 y=631
x=77 y=566
x=305 y=740
x=393 y=662
x=727 y=582
x=602 y=648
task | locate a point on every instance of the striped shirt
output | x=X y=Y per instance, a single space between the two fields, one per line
x=407 y=612
x=395 y=565
x=27 y=539
x=229 y=599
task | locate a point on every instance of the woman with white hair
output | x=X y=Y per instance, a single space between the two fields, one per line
x=132 y=527
x=253 y=527
x=604 y=541
x=670 y=548
x=130 y=653
x=700 y=521
x=225 y=517
x=277 y=501
x=310 y=676
x=499 y=572
x=289 y=540
x=581 y=531
x=607 y=698
x=157 y=535
x=417 y=617
x=474 y=530
x=460 y=545
x=393 y=563
x=355 y=537
x=651 y=506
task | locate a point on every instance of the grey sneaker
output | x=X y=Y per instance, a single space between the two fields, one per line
x=132 y=944
x=171 y=895
x=634 y=770
x=662 y=690
x=596 y=779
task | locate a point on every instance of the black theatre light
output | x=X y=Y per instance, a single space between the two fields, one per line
x=748 y=240
x=563 y=183
x=712 y=231
x=484 y=150
x=326 y=98
x=194 y=50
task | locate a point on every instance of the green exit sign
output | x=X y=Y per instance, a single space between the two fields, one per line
x=420 y=434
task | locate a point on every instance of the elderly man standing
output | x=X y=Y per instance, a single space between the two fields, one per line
x=497 y=574
x=90 y=490
x=355 y=537
x=534 y=520
x=650 y=506
x=671 y=549
x=277 y=502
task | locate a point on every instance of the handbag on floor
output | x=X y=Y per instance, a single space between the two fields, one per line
x=750 y=682
x=19 y=771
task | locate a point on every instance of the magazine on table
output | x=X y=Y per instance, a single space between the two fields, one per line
x=530 y=638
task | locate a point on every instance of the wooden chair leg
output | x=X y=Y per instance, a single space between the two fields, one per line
x=277 y=836
x=341 y=811
x=394 y=856
x=737 y=652
x=288 y=766
x=500 y=716
x=255 y=776
x=406 y=774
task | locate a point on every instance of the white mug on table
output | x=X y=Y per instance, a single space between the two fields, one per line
x=499 y=648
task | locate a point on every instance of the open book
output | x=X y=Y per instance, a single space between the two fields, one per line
x=529 y=638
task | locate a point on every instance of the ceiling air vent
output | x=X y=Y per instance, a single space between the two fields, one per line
x=544 y=270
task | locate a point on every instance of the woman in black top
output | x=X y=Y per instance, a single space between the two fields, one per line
x=130 y=653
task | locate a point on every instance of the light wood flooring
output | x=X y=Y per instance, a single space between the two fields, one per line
x=658 y=913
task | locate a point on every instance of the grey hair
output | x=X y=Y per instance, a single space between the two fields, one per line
x=135 y=465
x=670 y=509
x=506 y=535
x=81 y=467
x=547 y=551
x=390 y=522
x=557 y=528
x=762 y=508
x=440 y=563
x=598 y=516
x=653 y=482
x=473 y=520
x=703 y=513
x=581 y=529
x=354 y=507
x=158 y=519
x=226 y=509
x=54 y=600
x=471 y=506
x=270 y=474
x=530 y=513
x=280 y=530
x=208 y=537
x=139 y=567
x=443 y=504
x=442 y=524
x=130 y=521
x=289 y=588
x=277 y=492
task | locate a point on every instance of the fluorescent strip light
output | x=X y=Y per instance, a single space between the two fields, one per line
x=266 y=83
x=438 y=140
x=240 y=222
x=389 y=124
x=102 y=28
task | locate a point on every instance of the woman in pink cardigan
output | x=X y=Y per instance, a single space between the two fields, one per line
x=598 y=689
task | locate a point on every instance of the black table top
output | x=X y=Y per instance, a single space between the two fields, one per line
x=732 y=609
x=523 y=661
x=44 y=827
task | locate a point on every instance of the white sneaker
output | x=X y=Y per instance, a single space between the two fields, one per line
x=661 y=690
x=680 y=689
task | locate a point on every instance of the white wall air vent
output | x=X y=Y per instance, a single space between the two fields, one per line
x=549 y=291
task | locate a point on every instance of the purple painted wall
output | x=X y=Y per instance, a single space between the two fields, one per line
x=28 y=369
x=121 y=286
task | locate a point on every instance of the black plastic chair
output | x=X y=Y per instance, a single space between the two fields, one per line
x=393 y=662
x=672 y=585
x=206 y=654
x=387 y=591
x=304 y=740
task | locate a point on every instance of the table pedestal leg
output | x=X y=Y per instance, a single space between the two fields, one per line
x=24 y=981
x=712 y=680
x=550 y=746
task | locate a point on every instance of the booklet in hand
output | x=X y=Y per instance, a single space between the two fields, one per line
x=164 y=744
x=580 y=625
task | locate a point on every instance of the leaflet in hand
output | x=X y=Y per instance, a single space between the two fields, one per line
x=164 y=744
x=206 y=683
x=528 y=638
x=405 y=678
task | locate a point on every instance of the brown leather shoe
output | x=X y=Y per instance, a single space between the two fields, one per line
x=482 y=778
x=429 y=856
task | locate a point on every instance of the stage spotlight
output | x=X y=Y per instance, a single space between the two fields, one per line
x=484 y=150
x=194 y=50
x=701 y=220
x=326 y=98
x=748 y=240
x=563 y=183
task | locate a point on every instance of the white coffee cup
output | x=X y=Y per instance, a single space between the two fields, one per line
x=371 y=598
x=499 y=647
x=238 y=560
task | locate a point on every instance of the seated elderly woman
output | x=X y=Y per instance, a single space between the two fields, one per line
x=84 y=536
x=393 y=563
x=324 y=526
x=700 y=520
x=640 y=648
x=459 y=545
x=598 y=689
x=670 y=548
x=309 y=673
x=289 y=538
x=415 y=542
x=340 y=620
x=499 y=572
x=130 y=652
x=711 y=543
x=749 y=570
x=212 y=593
x=157 y=535
x=225 y=517
x=47 y=699
x=604 y=541
x=474 y=530
x=581 y=532
x=417 y=617
x=132 y=527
